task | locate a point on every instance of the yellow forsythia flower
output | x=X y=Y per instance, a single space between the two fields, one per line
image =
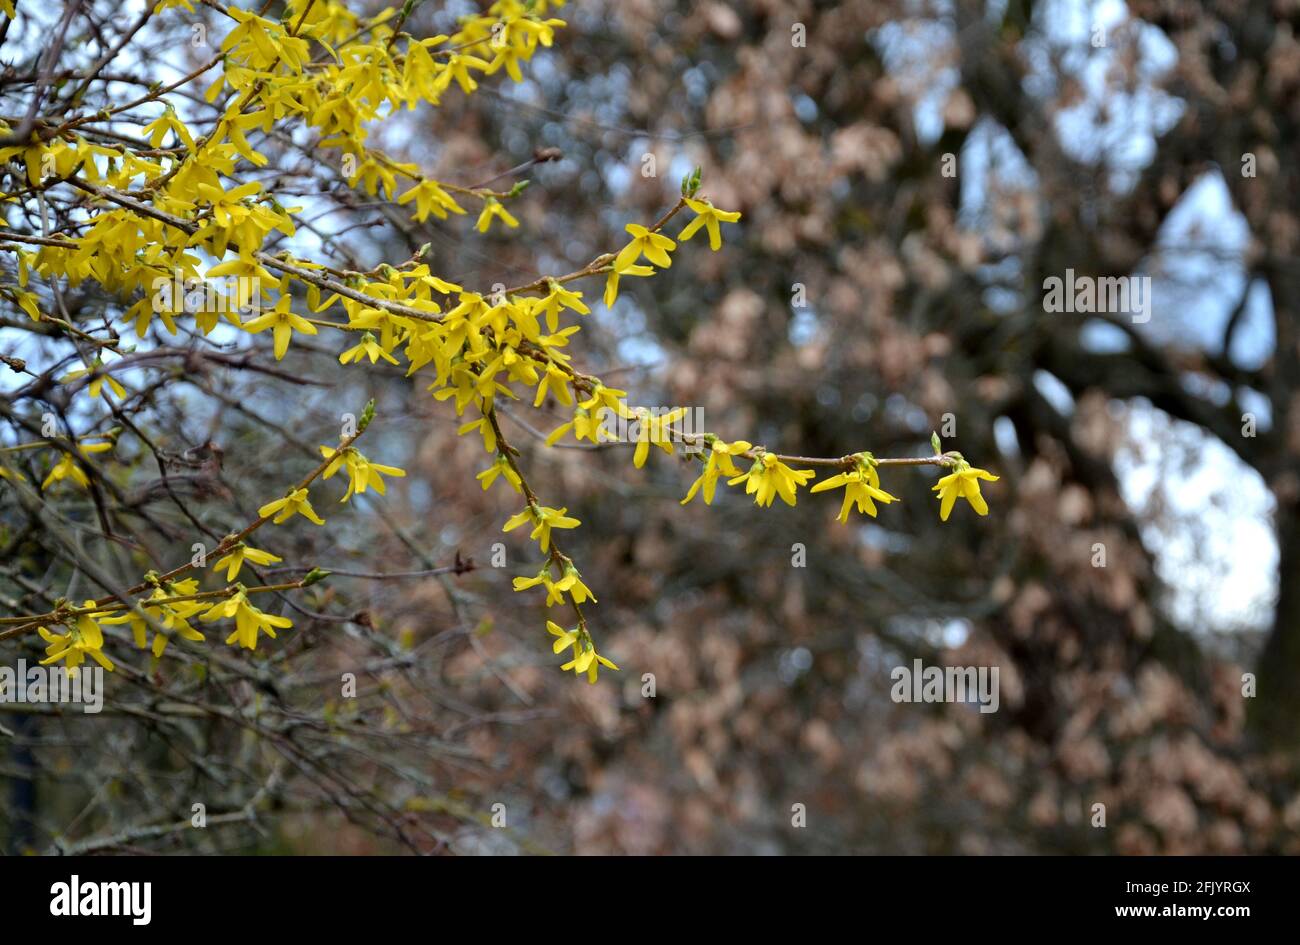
x=500 y=468
x=234 y=560
x=963 y=482
x=368 y=348
x=249 y=621
x=717 y=465
x=283 y=323
x=543 y=577
x=67 y=467
x=645 y=243
x=84 y=638
x=769 y=478
x=572 y=583
x=494 y=209
x=656 y=429
x=173 y=617
x=861 y=486
x=708 y=216
x=567 y=638
x=544 y=519
x=430 y=198
x=97 y=382
x=587 y=660
x=295 y=503
x=362 y=473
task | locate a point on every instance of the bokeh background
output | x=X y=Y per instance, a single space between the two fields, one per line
x=909 y=173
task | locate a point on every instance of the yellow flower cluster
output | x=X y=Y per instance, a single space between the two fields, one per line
x=82 y=637
x=170 y=617
x=161 y=212
x=171 y=605
x=585 y=658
